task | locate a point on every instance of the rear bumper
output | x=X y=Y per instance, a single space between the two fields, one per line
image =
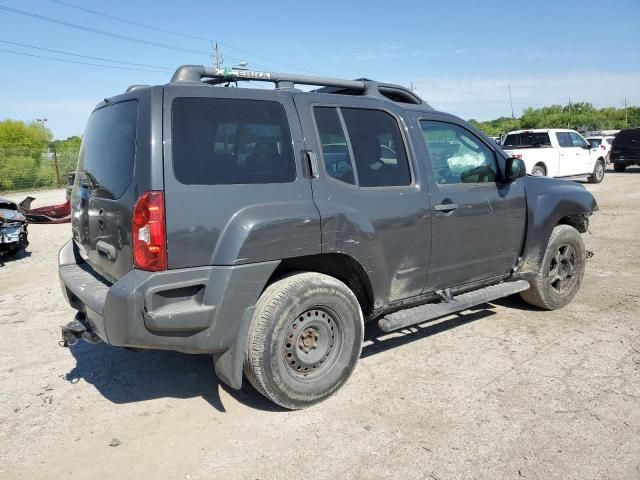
x=625 y=160
x=193 y=310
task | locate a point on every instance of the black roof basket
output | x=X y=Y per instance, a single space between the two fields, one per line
x=211 y=75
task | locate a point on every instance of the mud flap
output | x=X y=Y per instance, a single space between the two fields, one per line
x=229 y=364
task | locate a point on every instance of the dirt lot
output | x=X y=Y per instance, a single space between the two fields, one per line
x=503 y=391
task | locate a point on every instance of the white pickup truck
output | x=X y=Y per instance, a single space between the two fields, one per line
x=555 y=153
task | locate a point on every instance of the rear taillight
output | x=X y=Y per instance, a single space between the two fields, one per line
x=149 y=238
x=603 y=147
x=517 y=155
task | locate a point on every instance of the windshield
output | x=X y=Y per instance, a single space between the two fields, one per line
x=526 y=140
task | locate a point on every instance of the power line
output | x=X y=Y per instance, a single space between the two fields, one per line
x=179 y=34
x=105 y=33
x=79 y=62
x=86 y=56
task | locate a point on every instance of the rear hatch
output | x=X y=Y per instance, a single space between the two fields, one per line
x=112 y=172
x=626 y=145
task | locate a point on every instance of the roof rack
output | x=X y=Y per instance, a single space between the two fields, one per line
x=215 y=76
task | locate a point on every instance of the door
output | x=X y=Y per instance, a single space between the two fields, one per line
x=584 y=153
x=367 y=188
x=573 y=155
x=478 y=222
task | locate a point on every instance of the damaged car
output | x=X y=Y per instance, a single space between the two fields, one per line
x=13 y=228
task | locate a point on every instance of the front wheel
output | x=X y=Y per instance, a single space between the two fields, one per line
x=305 y=339
x=559 y=276
x=538 y=171
x=598 y=172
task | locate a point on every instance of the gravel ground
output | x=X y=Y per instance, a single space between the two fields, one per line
x=502 y=391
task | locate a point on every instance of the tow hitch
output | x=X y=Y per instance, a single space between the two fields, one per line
x=78 y=329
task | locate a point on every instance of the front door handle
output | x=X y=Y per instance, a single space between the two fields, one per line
x=445 y=207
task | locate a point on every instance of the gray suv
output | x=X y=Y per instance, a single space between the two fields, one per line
x=266 y=226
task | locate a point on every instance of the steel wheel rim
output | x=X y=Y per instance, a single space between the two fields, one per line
x=312 y=343
x=563 y=269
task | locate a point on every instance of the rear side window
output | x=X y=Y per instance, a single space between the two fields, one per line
x=221 y=141
x=373 y=144
x=333 y=141
x=378 y=148
x=526 y=140
x=628 y=138
x=108 y=150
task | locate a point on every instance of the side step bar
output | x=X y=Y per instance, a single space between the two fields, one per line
x=429 y=311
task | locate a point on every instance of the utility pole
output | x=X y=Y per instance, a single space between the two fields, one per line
x=569 y=119
x=217 y=57
x=511 y=102
x=412 y=86
x=626 y=116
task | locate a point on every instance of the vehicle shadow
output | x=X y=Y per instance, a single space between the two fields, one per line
x=124 y=376
x=8 y=257
x=377 y=341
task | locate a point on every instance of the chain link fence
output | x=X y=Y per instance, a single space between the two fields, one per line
x=28 y=168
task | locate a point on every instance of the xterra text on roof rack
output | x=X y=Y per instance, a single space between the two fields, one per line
x=264 y=227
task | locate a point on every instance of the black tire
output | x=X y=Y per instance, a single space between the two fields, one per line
x=539 y=171
x=598 y=172
x=560 y=275
x=619 y=167
x=305 y=339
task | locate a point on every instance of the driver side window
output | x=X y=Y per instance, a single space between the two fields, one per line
x=457 y=155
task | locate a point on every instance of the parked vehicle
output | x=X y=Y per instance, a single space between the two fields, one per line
x=59 y=213
x=13 y=228
x=265 y=227
x=625 y=150
x=555 y=153
x=600 y=145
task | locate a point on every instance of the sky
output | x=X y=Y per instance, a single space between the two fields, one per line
x=461 y=56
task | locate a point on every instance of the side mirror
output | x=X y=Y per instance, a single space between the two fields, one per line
x=514 y=168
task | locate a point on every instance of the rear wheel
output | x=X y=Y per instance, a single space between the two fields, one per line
x=560 y=274
x=598 y=172
x=619 y=167
x=305 y=339
x=538 y=171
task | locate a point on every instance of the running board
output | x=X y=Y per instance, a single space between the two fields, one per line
x=429 y=311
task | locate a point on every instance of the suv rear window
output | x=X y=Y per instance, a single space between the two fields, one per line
x=526 y=140
x=108 y=150
x=222 y=141
x=628 y=137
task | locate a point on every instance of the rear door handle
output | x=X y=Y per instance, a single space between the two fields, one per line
x=445 y=207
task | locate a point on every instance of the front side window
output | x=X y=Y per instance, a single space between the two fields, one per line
x=221 y=141
x=595 y=142
x=457 y=155
x=577 y=140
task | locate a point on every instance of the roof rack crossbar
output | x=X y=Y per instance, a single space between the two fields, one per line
x=190 y=74
x=195 y=73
